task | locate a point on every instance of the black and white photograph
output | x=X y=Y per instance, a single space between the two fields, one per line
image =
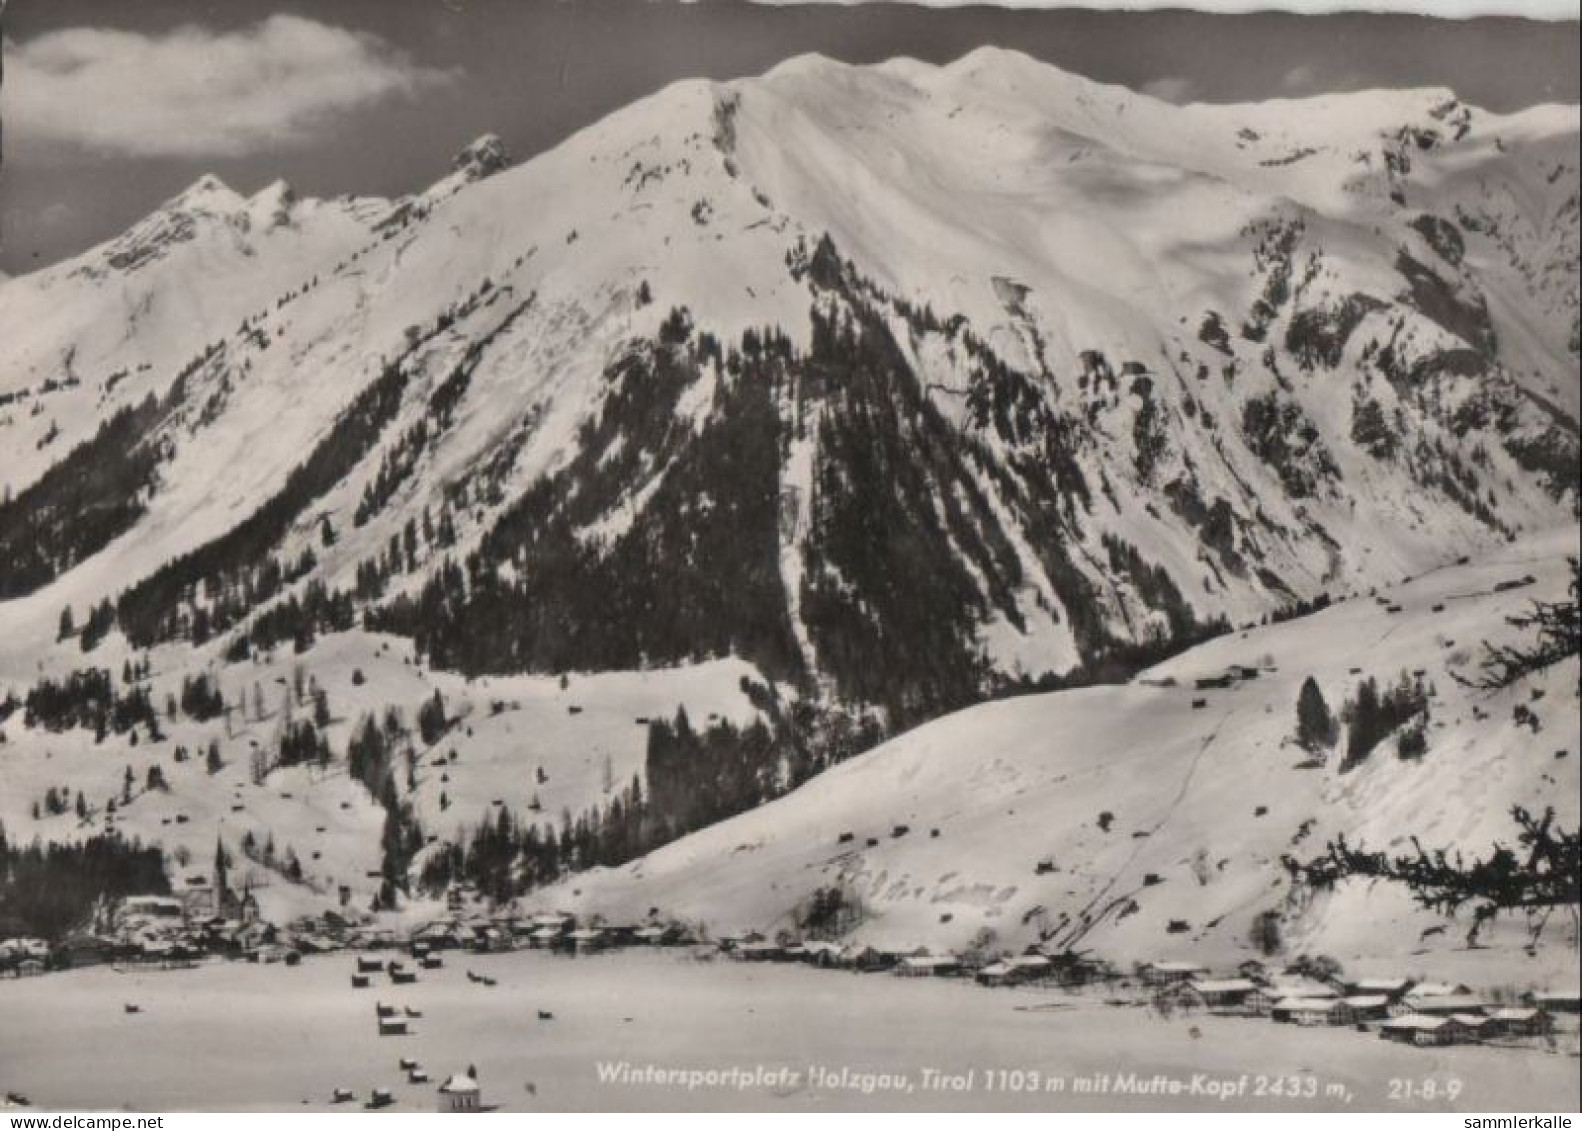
x=739 y=556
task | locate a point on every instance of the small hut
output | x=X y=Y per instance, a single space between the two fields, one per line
x=461 y=1093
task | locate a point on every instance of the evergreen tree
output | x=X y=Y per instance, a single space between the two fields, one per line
x=1316 y=729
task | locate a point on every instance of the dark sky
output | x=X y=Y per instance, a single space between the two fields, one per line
x=112 y=132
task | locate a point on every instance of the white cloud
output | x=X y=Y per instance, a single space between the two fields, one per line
x=194 y=92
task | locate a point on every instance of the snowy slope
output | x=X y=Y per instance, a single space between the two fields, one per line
x=1204 y=803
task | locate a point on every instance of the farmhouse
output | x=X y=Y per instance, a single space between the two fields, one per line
x=1439 y=1005
x=821 y=953
x=585 y=940
x=1558 y=1001
x=929 y=966
x=1028 y=967
x=1313 y=1011
x=1478 y=1025
x=1222 y=994
x=1520 y=1021
x=1392 y=988
x=761 y=951
x=1368 y=1007
x=88 y=950
x=994 y=974
x=137 y=910
x=1263 y=999
x=1163 y=973
x=1071 y=969
x=866 y=959
x=1421 y=1029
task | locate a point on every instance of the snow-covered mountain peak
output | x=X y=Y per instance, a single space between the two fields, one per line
x=897 y=385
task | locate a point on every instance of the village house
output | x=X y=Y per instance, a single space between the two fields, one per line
x=1477 y=1025
x=1520 y=1021
x=1368 y=1007
x=1392 y=988
x=821 y=952
x=1441 y=989
x=761 y=951
x=584 y=940
x=1163 y=973
x=1313 y=1011
x=866 y=959
x=1558 y=1001
x=543 y=938
x=14 y=952
x=1420 y=1029
x=87 y=950
x=1223 y=995
x=1029 y=967
x=461 y=1093
x=1069 y=969
x=557 y=921
x=929 y=966
x=1264 y=998
x=151 y=910
x=1438 y=1005
x=994 y=974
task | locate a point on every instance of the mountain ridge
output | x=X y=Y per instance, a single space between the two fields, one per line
x=884 y=398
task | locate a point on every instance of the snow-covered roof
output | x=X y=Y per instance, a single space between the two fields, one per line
x=1515 y=1013
x=1417 y=1021
x=1367 y=1001
x=459 y=1084
x=1444 y=1003
x=1027 y=962
x=1307 y=1005
x=1380 y=985
x=1301 y=988
x=930 y=961
x=1223 y=986
x=1557 y=995
x=1175 y=967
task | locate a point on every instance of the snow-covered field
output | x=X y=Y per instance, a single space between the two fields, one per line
x=584 y=738
x=235 y=1036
